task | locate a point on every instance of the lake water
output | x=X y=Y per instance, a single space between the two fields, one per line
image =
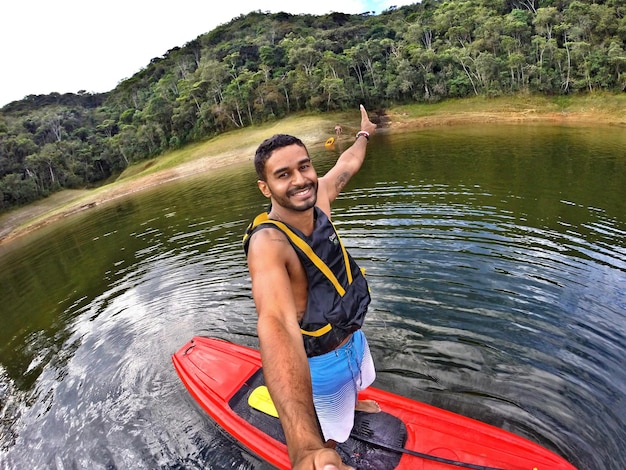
x=496 y=256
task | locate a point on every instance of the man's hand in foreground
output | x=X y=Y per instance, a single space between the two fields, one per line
x=322 y=459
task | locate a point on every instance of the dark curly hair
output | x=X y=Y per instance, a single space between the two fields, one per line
x=268 y=146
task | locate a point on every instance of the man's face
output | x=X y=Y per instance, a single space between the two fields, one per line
x=291 y=180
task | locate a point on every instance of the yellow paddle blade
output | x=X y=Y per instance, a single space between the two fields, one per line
x=261 y=400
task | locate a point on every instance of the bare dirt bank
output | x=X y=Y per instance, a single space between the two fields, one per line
x=233 y=149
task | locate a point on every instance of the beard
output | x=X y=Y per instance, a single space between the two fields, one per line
x=287 y=200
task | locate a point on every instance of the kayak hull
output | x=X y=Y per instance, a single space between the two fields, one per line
x=220 y=376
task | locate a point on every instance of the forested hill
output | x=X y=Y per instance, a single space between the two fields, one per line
x=263 y=66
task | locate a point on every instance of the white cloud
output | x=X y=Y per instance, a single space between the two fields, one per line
x=71 y=45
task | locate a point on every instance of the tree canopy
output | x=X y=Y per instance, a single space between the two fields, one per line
x=263 y=66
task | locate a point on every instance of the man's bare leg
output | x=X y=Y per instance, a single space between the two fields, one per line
x=368 y=406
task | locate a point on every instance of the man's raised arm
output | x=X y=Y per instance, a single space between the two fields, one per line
x=348 y=164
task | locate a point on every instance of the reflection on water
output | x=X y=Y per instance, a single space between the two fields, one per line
x=497 y=261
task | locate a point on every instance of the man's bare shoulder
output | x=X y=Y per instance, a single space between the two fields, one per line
x=267 y=240
x=268 y=234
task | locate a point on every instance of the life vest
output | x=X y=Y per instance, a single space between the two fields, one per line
x=338 y=294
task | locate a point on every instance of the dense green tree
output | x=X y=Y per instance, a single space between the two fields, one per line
x=15 y=190
x=616 y=57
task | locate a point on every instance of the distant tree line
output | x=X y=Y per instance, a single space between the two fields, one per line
x=263 y=66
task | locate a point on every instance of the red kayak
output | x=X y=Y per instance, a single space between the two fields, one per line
x=406 y=434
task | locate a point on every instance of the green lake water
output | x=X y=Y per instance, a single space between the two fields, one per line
x=496 y=256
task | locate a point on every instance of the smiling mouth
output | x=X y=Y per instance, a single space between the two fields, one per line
x=300 y=191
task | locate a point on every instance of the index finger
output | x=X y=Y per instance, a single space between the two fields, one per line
x=366 y=124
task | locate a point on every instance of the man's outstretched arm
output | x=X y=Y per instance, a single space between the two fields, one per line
x=285 y=364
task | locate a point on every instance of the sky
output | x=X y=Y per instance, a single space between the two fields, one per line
x=66 y=46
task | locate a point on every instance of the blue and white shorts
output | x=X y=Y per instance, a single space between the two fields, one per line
x=337 y=377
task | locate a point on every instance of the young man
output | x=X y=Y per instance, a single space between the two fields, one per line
x=311 y=299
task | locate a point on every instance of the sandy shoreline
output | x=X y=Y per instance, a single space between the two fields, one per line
x=21 y=221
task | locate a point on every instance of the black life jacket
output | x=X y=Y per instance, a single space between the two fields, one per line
x=338 y=294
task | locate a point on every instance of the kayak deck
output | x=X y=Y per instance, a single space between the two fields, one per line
x=385 y=429
x=221 y=375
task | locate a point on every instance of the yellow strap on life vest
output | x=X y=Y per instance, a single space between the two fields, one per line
x=345 y=256
x=307 y=250
x=319 y=332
